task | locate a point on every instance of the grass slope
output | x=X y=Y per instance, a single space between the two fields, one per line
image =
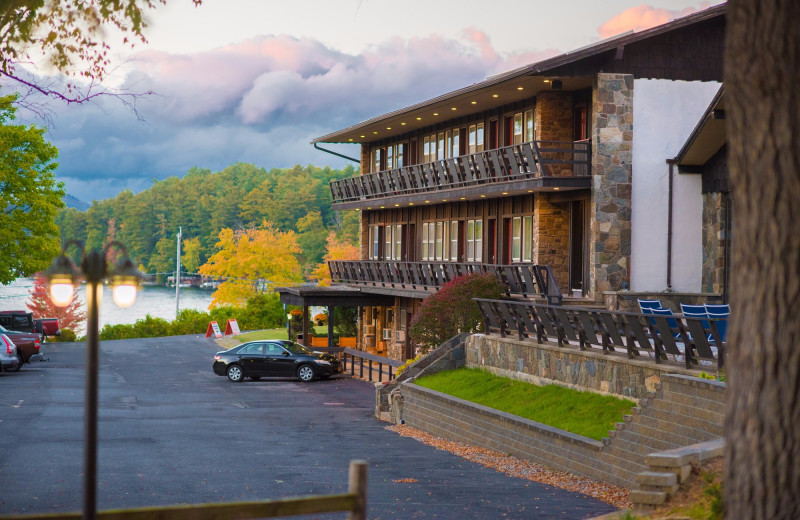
x=583 y=413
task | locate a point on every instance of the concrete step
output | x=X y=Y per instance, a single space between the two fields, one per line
x=654 y=498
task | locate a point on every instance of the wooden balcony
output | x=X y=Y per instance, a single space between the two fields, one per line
x=531 y=166
x=420 y=279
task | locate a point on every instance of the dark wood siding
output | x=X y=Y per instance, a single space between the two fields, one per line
x=715 y=173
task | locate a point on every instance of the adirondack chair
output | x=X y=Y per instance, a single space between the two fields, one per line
x=720 y=311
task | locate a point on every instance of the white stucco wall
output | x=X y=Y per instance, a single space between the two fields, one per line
x=664 y=114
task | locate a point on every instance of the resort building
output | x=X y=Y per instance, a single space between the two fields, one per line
x=574 y=163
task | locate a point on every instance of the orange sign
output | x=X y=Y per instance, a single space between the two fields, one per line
x=232 y=328
x=213 y=328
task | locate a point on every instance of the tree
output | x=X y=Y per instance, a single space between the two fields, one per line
x=311 y=237
x=71 y=317
x=162 y=261
x=450 y=310
x=249 y=257
x=69 y=34
x=762 y=71
x=190 y=259
x=337 y=250
x=30 y=197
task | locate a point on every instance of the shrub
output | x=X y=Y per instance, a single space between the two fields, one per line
x=451 y=310
x=67 y=336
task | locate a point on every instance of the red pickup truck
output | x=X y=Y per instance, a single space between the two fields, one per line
x=23 y=321
x=27 y=345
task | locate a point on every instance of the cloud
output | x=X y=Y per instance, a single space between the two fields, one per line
x=260 y=100
x=642 y=17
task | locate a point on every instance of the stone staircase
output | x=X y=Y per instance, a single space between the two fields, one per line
x=682 y=411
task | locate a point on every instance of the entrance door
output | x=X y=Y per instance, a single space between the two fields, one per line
x=492 y=239
x=578 y=246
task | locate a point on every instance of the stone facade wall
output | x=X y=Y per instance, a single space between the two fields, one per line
x=612 y=138
x=553 y=117
x=714 y=242
x=551 y=237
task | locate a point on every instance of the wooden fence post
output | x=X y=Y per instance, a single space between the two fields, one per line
x=358 y=487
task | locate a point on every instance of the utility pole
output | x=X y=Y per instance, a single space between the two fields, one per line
x=178 y=276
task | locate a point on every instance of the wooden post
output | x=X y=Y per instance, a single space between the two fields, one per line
x=331 y=310
x=306 y=341
x=358 y=486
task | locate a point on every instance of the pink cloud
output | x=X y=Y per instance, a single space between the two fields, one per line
x=642 y=17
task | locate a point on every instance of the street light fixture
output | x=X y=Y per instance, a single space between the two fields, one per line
x=124 y=279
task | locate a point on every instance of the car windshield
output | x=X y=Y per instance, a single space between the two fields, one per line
x=296 y=348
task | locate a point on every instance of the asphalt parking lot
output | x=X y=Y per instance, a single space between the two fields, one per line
x=173 y=432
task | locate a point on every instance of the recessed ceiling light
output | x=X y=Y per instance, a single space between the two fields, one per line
x=556 y=188
x=463 y=198
x=397 y=205
x=419 y=119
x=483 y=196
x=505 y=193
x=474 y=102
x=530 y=191
x=382 y=207
x=363 y=136
x=495 y=95
x=388 y=127
x=427 y=202
x=444 y=200
x=402 y=124
x=351 y=139
x=453 y=109
x=410 y=203
x=436 y=113
x=547 y=81
x=520 y=88
x=376 y=133
x=369 y=208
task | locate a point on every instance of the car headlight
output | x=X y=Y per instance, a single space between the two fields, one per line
x=322 y=362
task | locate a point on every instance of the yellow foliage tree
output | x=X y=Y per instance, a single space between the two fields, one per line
x=337 y=250
x=246 y=256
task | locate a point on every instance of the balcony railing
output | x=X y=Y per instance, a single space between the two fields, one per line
x=519 y=279
x=535 y=159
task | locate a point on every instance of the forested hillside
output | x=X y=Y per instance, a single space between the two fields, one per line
x=204 y=203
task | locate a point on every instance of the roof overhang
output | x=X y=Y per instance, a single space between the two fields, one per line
x=575 y=70
x=335 y=295
x=706 y=139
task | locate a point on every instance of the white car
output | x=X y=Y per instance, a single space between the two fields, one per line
x=8 y=354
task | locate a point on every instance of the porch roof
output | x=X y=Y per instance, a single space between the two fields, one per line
x=706 y=139
x=335 y=295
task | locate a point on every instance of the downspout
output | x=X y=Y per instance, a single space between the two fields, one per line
x=318 y=147
x=669 y=226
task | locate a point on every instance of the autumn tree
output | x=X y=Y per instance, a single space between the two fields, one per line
x=30 y=197
x=162 y=261
x=450 y=310
x=311 y=236
x=762 y=74
x=251 y=256
x=337 y=250
x=190 y=259
x=71 y=317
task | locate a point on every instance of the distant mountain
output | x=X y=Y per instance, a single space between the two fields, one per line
x=74 y=202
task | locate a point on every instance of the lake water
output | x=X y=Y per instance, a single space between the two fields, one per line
x=156 y=301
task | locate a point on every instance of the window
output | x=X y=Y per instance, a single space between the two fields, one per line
x=376 y=160
x=529 y=125
x=387 y=243
x=516 y=239
x=374 y=240
x=527 y=238
x=474 y=240
x=517 y=128
x=390 y=157
x=475 y=138
x=439 y=240
x=397 y=242
x=440 y=147
x=425 y=239
x=426 y=149
x=455 y=148
x=431 y=240
x=454 y=241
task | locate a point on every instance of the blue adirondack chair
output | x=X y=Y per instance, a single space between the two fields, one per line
x=720 y=311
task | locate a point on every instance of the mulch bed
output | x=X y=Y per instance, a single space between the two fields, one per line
x=512 y=466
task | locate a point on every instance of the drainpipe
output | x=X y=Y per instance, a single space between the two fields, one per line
x=321 y=149
x=669 y=226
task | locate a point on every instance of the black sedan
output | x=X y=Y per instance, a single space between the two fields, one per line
x=274 y=358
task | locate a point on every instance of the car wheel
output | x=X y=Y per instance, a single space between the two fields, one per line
x=235 y=373
x=19 y=365
x=305 y=373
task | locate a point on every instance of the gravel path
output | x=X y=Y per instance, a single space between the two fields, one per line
x=614 y=495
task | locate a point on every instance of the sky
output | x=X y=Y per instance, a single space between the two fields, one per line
x=256 y=80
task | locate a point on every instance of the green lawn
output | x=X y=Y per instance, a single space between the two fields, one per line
x=583 y=413
x=263 y=334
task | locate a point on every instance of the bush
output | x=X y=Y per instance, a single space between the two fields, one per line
x=451 y=310
x=67 y=336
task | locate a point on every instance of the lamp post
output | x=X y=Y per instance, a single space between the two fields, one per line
x=124 y=279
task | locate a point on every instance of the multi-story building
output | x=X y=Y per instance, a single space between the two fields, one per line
x=561 y=163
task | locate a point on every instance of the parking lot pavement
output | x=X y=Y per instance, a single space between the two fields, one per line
x=173 y=432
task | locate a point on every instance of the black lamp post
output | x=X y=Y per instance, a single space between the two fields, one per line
x=124 y=279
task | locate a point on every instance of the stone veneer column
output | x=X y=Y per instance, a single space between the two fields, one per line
x=551 y=238
x=612 y=140
x=553 y=120
x=714 y=242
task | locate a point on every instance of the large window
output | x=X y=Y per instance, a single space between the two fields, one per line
x=454 y=241
x=397 y=242
x=529 y=126
x=475 y=138
x=474 y=240
x=376 y=159
x=521 y=239
x=374 y=242
x=517 y=128
x=440 y=146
